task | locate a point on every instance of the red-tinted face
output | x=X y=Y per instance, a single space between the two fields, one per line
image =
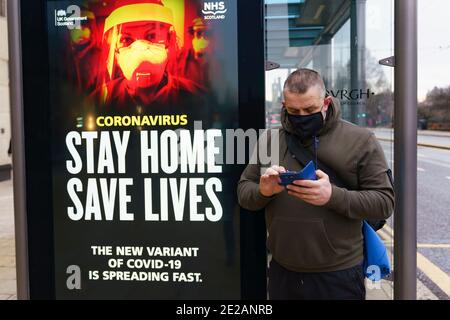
x=155 y=32
x=201 y=41
x=142 y=52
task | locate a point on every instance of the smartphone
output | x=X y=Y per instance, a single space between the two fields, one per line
x=308 y=173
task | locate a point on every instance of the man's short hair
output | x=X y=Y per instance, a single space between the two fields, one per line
x=301 y=80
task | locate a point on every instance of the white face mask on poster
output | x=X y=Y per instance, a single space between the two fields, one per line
x=200 y=45
x=143 y=62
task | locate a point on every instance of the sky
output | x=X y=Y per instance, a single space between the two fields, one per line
x=433 y=40
x=434 y=45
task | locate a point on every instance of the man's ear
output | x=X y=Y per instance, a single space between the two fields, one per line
x=326 y=103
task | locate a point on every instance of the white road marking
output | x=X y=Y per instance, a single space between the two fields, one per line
x=434 y=245
x=448 y=177
x=438 y=163
x=420 y=169
x=423 y=159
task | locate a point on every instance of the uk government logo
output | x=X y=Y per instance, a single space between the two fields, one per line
x=214 y=10
x=70 y=17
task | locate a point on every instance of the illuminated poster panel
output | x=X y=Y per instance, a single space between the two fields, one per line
x=140 y=94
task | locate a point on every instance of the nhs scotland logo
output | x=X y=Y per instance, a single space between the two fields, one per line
x=214 y=10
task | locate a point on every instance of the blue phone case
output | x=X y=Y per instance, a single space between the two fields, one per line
x=308 y=173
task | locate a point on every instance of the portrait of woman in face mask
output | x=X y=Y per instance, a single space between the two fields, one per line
x=141 y=59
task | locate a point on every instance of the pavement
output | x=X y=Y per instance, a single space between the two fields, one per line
x=7 y=243
x=384 y=290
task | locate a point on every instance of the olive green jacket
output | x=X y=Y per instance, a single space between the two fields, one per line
x=307 y=238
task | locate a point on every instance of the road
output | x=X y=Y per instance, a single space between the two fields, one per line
x=432 y=138
x=433 y=205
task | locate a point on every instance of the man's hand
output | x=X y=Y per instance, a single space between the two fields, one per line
x=268 y=183
x=317 y=192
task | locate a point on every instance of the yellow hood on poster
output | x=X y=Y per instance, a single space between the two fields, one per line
x=139 y=12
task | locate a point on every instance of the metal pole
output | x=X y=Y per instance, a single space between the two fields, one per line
x=405 y=150
x=18 y=142
x=358 y=55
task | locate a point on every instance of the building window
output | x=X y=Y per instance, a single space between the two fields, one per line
x=2 y=8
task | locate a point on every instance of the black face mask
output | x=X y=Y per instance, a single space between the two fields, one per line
x=306 y=126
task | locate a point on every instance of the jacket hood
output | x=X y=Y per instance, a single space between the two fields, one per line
x=333 y=116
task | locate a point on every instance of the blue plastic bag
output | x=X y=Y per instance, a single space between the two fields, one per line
x=376 y=259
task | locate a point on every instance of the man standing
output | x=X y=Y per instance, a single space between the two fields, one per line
x=315 y=227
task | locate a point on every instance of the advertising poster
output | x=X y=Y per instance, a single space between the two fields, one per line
x=141 y=92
